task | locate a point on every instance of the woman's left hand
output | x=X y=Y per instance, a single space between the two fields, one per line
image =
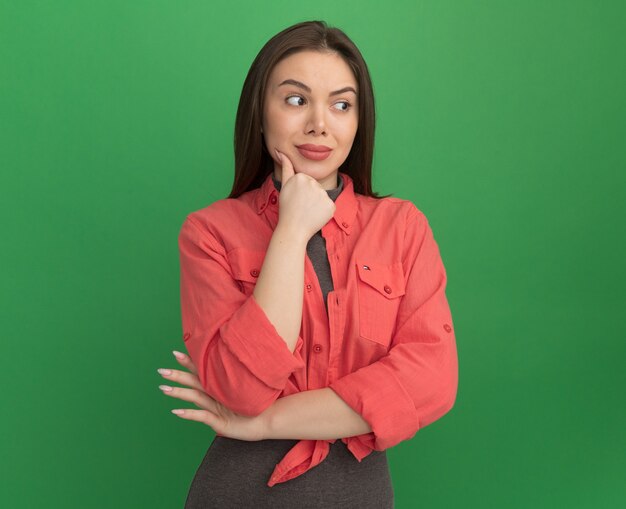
x=223 y=421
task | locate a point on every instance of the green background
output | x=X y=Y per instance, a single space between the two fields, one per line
x=502 y=121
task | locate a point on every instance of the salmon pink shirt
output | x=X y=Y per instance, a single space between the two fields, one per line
x=386 y=345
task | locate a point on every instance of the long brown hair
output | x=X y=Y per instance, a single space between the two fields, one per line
x=252 y=162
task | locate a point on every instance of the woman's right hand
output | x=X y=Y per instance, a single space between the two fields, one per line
x=304 y=204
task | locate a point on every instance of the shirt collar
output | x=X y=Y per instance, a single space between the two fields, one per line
x=332 y=193
x=343 y=196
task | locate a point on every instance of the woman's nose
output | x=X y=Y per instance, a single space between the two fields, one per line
x=316 y=122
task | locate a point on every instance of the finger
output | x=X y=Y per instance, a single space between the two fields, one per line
x=182 y=377
x=202 y=416
x=200 y=399
x=287 y=167
x=185 y=361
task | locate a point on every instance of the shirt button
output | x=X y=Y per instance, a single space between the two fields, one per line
x=273 y=200
x=344 y=224
x=317 y=348
x=446 y=327
x=254 y=272
x=309 y=287
x=387 y=289
x=186 y=336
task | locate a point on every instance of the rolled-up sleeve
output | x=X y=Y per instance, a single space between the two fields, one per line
x=241 y=359
x=416 y=382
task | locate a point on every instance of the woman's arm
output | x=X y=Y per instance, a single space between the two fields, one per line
x=280 y=286
x=241 y=358
x=304 y=208
x=318 y=414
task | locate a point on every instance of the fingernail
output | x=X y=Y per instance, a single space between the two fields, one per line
x=178 y=355
x=278 y=155
x=164 y=371
x=178 y=412
x=165 y=388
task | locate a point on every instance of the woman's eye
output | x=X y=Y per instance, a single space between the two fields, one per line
x=296 y=97
x=294 y=101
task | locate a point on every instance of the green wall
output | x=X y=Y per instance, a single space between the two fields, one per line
x=502 y=121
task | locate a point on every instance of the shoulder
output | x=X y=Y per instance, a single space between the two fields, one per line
x=226 y=212
x=220 y=220
x=219 y=212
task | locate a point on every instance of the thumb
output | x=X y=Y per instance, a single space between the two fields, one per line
x=287 y=167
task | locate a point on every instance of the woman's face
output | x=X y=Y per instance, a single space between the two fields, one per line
x=311 y=99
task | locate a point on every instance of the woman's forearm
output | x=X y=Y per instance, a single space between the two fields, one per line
x=319 y=414
x=279 y=289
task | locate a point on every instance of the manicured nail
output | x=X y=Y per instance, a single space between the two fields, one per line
x=165 y=388
x=178 y=355
x=164 y=371
x=280 y=158
x=178 y=412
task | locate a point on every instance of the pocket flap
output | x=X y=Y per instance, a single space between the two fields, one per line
x=386 y=279
x=245 y=263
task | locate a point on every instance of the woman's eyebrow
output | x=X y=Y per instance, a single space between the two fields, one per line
x=301 y=85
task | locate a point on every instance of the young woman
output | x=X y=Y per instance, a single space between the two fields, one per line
x=314 y=311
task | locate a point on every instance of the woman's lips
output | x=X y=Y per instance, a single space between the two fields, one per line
x=315 y=156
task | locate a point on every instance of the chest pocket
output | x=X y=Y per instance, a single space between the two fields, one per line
x=380 y=288
x=246 y=266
